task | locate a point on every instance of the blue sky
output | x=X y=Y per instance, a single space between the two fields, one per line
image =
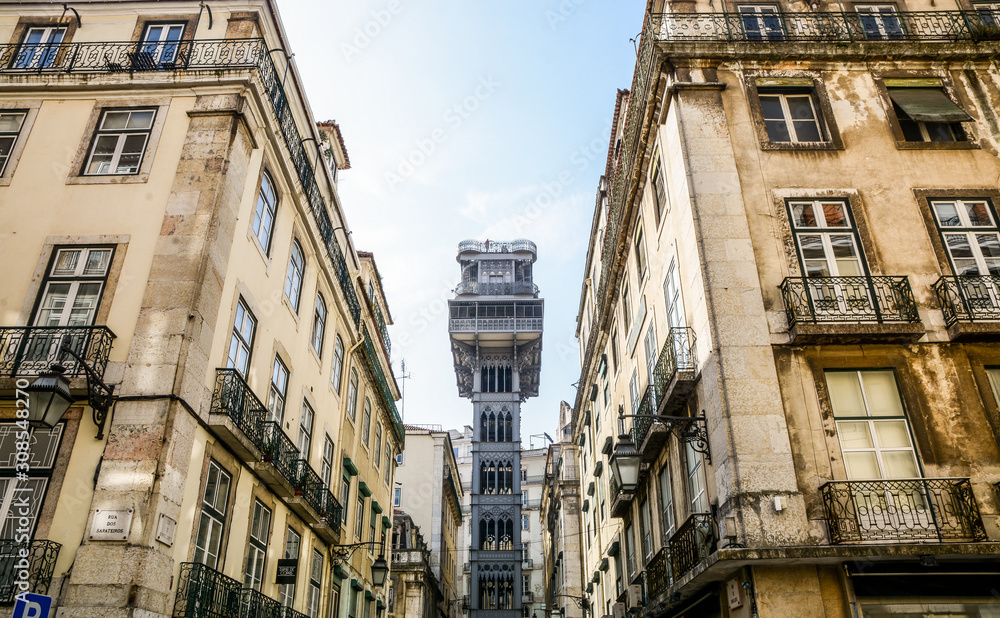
x=468 y=119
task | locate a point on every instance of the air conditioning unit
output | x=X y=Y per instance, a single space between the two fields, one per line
x=618 y=610
x=635 y=596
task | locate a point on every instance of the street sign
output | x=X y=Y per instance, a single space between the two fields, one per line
x=288 y=570
x=30 y=605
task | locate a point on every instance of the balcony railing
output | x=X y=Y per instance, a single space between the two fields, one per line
x=490 y=246
x=309 y=485
x=280 y=451
x=382 y=330
x=658 y=573
x=479 y=325
x=969 y=298
x=695 y=540
x=41 y=559
x=333 y=512
x=901 y=511
x=205 y=593
x=847 y=27
x=678 y=354
x=31 y=350
x=641 y=424
x=620 y=500
x=376 y=368
x=848 y=300
x=233 y=398
x=498 y=288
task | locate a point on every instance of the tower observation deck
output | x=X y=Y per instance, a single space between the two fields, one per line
x=495 y=324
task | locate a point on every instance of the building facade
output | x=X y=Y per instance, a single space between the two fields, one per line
x=174 y=241
x=414 y=590
x=495 y=326
x=429 y=492
x=532 y=559
x=559 y=517
x=788 y=320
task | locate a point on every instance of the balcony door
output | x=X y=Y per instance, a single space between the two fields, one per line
x=160 y=44
x=761 y=22
x=969 y=233
x=879 y=21
x=831 y=259
x=39 y=47
x=877 y=447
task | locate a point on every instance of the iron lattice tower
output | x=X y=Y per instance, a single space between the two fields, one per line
x=495 y=324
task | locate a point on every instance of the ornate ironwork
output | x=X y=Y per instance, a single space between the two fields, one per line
x=969 y=298
x=500 y=288
x=490 y=246
x=206 y=593
x=905 y=510
x=255 y=604
x=42 y=555
x=695 y=540
x=100 y=396
x=309 y=485
x=848 y=299
x=332 y=512
x=233 y=398
x=691 y=430
x=375 y=367
x=279 y=450
x=382 y=330
x=644 y=417
x=32 y=350
x=658 y=572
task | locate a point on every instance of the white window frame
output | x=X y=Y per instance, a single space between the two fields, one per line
x=260 y=531
x=113 y=166
x=278 y=391
x=162 y=50
x=75 y=279
x=318 y=335
x=295 y=274
x=264 y=213
x=9 y=136
x=972 y=233
x=293 y=547
x=241 y=340
x=214 y=512
x=42 y=53
x=305 y=430
x=789 y=122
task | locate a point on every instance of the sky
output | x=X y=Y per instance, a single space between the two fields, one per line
x=484 y=119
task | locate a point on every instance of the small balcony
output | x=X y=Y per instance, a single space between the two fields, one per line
x=902 y=511
x=658 y=574
x=695 y=540
x=279 y=460
x=498 y=288
x=675 y=373
x=971 y=305
x=41 y=559
x=621 y=501
x=206 y=593
x=489 y=246
x=850 y=310
x=27 y=351
x=527 y=597
x=237 y=415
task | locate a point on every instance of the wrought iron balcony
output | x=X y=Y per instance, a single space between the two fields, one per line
x=31 y=350
x=206 y=593
x=851 y=309
x=621 y=501
x=902 y=511
x=658 y=575
x=694 y=540
x=490 y=246
x=41 y=558
x=310 y=491
x=333 y=512
x=499 y=288
x=644 y=422
x=382 y=330
x=280 y=452
x=233 y=400
x=675 y=372
x=969 y=298
x=828 y=27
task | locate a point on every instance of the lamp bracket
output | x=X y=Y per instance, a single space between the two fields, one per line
x=100 y=396
x=691 y=430
x=341 y=553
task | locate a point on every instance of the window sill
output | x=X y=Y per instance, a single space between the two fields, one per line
x=796 y=146
x=109 y=179
x=288 y=304
x=967 y=145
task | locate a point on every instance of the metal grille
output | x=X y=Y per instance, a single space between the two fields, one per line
x=280 y=451
x=897 y=511
x=32 y=350
x=205 y=593
x=695 y=540
x=497 y=247
x=233 y=398
x=500 y=288
x=41 y=558
x=658 y=572
x=969 y=298
x=848 y=300
x=678 y=354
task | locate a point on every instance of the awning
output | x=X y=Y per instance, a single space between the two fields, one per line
x=928 y=105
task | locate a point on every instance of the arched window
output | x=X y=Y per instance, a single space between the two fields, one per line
x=352 y=395
x=488 y=533
x=263 y=216
x=293 y=280
x=319 y=325
x=492 y=424
x=338 y=364
x=484 y=426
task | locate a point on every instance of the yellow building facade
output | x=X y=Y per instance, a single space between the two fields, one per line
x=171 y=226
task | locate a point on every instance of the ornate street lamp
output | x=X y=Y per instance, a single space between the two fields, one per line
x=625 y=461
x=48 y=398
x=380 y=568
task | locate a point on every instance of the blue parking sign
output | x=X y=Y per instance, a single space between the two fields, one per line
x=30 y=605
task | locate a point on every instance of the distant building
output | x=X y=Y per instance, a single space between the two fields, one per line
x=414 y=590
x=428 y=491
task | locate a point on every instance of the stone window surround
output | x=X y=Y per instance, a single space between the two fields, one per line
x=31 y=296
x=265 y=254
x=31 y=107
x=924 y=197
x=947 y=86
x=76 y=175
x=26 y=21
x=190 y=22
x=820 y=97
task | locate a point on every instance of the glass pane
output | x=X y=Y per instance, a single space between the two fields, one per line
x=51 y=311
x=770 y=107
x=140 y=120
x=961 y=254
x=863 y=465
x=134 y=144
x=845 y=393
x=128 y=164
x=989 y=246
x=11 y=123
x=881 y=393
x=222 y=495
x=854 y=435
x=939 y=131
x=807 y=131
x=846 y=255
x=66 y=261
x=800 y=107
x=84 y=305
x=803 y=215
x=6 y=145
x=979 y=214
x=114 y=121
x=892 y=434
x=777 y=131
x=947 y=214
x=900 y=465
x=812 y=247
x=154 y=33
x=835 y=214
x=97 y=262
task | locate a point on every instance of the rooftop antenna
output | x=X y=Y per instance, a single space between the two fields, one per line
x=544 y=436
x=403 y=377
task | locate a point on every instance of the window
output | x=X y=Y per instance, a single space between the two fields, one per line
x=387 y=472
x=871 y=423
x=335 y=601
x=600 y=497
x=160 y=45
x=10 y=127
x=667 y=503
x=319 y=326
x=790 y=115
x=660 y=204
x=43 y=446
x=305 y=431
x=286 y=593
x=336 y=374
x=696 y=480
x=327 y=467
x=397 y=496
x=633 y=389
x=345 y=495
x=879 y=21
x=399 y=458
x=989 y=12
x=260 y=529
x=524 y=475
x=119 y=142
x=372 y=524
x=377 y=455
x=626 y=313
x=315 y=584
x=241 y=341
x=352 y=611
x=646 y=530
x=366 y=423
x=208 y=542
x=279 y=387
x=524 y=522
x=993 y=375
x=524 y=497
x=293 y=279
x=761 y=22
x=650 y=345
x=71 y=292
x=672 y=296
x=925 y=112
x=629 y=551
x=640 y=255
x=352 y=396
x=614 y=350
x=969 y=232
x=359 y=517
x=263 y=216
x=39 y=47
